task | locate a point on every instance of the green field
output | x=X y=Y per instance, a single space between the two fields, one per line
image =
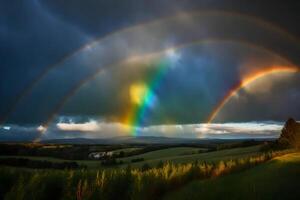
x=238 y=173
x=169 y=152
x=157 y=183
x=180 y=155
x=276 y=179
x=175 y=155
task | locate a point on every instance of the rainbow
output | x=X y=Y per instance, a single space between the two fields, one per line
x=138 y=114
x=181 y=15
x=248 y=79
x=151 y=56
x=131 y=118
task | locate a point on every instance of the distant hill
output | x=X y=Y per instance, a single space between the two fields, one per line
x=290 y=134
x=143 y=140
x=125 y=140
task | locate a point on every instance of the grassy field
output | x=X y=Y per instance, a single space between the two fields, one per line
x=169 y=152
x=129 y=183
x=180 y=155
x=276 y=179
x=176 y=155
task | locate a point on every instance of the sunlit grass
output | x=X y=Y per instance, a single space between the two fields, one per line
x=275 y=179
x=175 y=156
x=127 y=183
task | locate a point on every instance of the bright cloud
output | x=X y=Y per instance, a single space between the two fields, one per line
x=173 y=55
x=41 y=129
x=90 y=126
x=6 y=128
x=249 y=129
x=101 y=129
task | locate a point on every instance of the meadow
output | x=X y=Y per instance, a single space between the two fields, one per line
x=276 y=179
x=186 y=155
x=126 y=183
x=176 y=155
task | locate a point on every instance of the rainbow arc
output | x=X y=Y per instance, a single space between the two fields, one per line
x=248 y=79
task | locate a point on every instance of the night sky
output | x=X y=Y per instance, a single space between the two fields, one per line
x=192 y=69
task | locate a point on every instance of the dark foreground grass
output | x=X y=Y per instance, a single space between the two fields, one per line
x=276 y=179
x=115 y=183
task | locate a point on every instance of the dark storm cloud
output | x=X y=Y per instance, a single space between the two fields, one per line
x=36 y=34
x=98 y=17
x=31 y=39
x=98 y=129
x=190 y=88
x=274 y=97
x=19 y=133
x=138 y=41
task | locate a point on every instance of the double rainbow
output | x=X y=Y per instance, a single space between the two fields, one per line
x=139 y=113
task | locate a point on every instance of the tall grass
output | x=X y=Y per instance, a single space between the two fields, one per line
x=115 y=184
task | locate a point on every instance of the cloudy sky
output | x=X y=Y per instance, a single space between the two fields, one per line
x=196 y=69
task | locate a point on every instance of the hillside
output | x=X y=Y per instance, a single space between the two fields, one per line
x=147 y=140
x=175 y=156
x=276 y=179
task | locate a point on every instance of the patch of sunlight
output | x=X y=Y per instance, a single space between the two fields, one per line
x=291 y=157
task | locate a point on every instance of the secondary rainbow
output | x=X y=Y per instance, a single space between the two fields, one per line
x=131 y=118
x=248 y=80
x=28 y=89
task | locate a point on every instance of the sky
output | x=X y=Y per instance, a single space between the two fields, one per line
x=189 y=69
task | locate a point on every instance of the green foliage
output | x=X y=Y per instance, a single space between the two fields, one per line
x=129 y=183
x=277 y=179
x=281 y=144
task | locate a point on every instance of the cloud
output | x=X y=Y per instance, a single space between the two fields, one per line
x=12 y=132
x=6 y=128
x=41 y=129
x=239 y=130
x=97 y=129
x=272 y=97
x=91 y=126
x=197 y=83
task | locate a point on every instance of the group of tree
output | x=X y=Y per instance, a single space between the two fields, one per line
x=289 y=138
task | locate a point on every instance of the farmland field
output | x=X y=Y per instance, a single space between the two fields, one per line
x=177 y=156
